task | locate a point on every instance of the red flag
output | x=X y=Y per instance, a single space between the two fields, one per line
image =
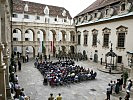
x=51 y=46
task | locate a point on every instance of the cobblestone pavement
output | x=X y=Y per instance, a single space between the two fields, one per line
x=32 y=80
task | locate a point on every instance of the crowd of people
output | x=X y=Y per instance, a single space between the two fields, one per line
x=16 y=90
x=63 y=72
x=116 y=87
x=17 y=93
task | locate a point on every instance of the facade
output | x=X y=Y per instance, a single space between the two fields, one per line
x=4 y=48
x=103 y=23
x=41 y=28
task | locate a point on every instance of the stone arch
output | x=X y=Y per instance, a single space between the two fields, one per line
x=72 y=49
x=72 y=36
x=41 y=37
x=17 y=49
x=63 y=35
x=30 y=34
x=63 y=49
x=53 y=37
x=17 y=34
x=30 y=51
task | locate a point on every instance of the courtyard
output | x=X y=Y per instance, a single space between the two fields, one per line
x=32 y=81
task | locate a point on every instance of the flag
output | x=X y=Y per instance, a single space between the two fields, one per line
x=43 y=48
x=51 y=46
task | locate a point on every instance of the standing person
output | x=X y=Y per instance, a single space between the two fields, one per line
x=127 y=95
x=59 y=97
x=27 y=58
x=111 y=84
x=108 y=92
x=117 y=87
x=51 y=97
x=19 y=65
x=129 y=85
x=49 y=56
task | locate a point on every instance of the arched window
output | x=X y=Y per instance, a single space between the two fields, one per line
x=94 y=37
x=85 y=37
x=106 y=33
x=121 y=36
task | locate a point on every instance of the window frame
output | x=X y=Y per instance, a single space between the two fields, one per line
x=26 y=16
x=121 y=30
x=106 y=31
x=16 y=15
x=94 y=37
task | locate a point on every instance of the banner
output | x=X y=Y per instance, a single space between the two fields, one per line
x=43 y=48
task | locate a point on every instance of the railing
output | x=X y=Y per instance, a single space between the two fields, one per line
x=25 y=43
x=46 y=43
x=60 y=43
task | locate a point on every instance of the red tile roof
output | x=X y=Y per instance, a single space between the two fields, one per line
x=98 y=4
x=36 y=8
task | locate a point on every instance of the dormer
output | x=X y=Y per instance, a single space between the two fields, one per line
x=64 y=13
x=46 y=10
x=125 y=7
x=26 y=7
x=85 y=18
x=75 y=21
x=80 y=19
x=96 y=15
x=108 y=12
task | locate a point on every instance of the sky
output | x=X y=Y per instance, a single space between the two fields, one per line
x=73 y=6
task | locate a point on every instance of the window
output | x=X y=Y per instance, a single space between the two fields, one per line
x=26 y=39
x=106 y=40
x=14 y=15
x=65 y=20
x=73 y=38
x=85 y=39
x=15 y=39
x=85 y=18
x=38 y=17
x=121 y=34
x=95 y=15
x=121 y=39
x=94 y=43
x=123 y=7
x=79 y=39
x=107 y=12
x=55 y=19
x=26 y=16
x=94 y=37
x=15 y=31
x=15 y=49
x=119 y=59
x=79 y=19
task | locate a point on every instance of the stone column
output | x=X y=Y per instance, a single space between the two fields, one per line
x=35 y=36
x=48 y=43
x=23 y=50
x=4 y=37
x=2 y=75
x=6 y=58
x=36 y=51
